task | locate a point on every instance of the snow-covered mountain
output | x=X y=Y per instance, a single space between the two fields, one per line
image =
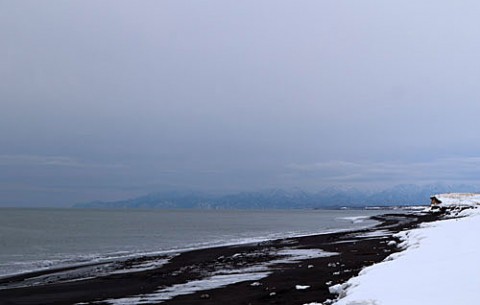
x=405 y=194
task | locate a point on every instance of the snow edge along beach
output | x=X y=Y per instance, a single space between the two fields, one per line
x=439 y=264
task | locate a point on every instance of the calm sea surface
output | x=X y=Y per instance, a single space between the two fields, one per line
x=32 y=239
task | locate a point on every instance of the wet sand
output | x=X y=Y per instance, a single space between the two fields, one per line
x=285 y=271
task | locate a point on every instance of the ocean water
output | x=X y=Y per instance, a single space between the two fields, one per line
x=34 y=239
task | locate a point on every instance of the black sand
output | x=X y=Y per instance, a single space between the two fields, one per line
x=355 y=251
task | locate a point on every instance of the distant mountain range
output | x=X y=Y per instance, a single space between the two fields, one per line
x=400 y=195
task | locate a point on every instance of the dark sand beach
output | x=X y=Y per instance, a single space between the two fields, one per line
x=285 y=271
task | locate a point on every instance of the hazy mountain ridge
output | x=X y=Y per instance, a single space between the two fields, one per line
x=405 y=194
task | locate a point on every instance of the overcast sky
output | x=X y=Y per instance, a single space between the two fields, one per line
x=112 y=99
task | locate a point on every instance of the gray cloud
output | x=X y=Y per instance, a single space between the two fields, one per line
x=445 y=169
x=114 y=98
x=54 y=161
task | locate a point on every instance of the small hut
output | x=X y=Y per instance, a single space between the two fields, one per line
x=435 y=200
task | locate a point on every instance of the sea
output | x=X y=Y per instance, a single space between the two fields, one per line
x=38 y=239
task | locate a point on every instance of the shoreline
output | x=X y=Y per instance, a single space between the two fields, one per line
x=152 y=255
x=53 y=247
x=295 y=270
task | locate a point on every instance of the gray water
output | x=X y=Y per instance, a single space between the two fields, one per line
x=33 y=239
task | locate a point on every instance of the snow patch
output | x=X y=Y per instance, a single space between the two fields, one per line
x=337 y=289
x=142 y=266
x=392 y=243
x=168 y=293
x=294 y=255
x=377 y=233
x=356 y=219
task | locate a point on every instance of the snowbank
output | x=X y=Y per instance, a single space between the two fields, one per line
x=457 y=199
x=440 y=266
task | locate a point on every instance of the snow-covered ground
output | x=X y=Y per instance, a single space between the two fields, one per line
x=458 y=199
x=440 y=266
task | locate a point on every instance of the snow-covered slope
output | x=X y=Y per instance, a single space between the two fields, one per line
x=458 y=199
x=440 y=266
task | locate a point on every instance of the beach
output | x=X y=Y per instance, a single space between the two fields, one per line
x=439 y=265
x=297 y=270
